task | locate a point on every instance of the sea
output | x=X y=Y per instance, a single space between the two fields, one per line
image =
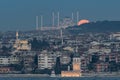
x=81 y=78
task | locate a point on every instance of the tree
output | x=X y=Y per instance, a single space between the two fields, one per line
x=39 y=44
x=35 y=63
x=91 y=67
x=5 y=49
x=95 y=58
x=113 y=66
x=57 y=66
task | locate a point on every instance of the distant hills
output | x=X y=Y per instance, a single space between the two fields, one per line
x=99 y=26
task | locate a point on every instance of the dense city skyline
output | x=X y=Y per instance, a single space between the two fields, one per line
x=20 y=15
x=59 y=38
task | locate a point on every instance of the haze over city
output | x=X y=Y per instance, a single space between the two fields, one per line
x=59 y=39
x=20 y=14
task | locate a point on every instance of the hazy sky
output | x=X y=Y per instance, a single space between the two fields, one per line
x=20 y=14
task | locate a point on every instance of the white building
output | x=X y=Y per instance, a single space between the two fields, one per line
x=115 y=36
x=94 y=50
x=46 y=60
x=14 y=59
x=4 y=60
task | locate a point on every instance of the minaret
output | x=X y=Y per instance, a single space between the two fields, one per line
x=72 y=17
x=77 y=16
x=61 y=31
x=53 y=19
x=58 y=19
x=61 y=34
x=41 y=22
x=37 y=23
x=17 y=35
x=76 y=47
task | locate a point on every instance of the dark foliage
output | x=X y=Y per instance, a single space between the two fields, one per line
x=44 y=71
x=113 y=66
x=57 y=68
x=99 y=26
x=38 y=44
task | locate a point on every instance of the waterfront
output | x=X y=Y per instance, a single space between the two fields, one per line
x=102 y=74
x=82 y=78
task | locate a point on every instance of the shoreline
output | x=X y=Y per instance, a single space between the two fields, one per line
x=24 y=75
x=46 y=75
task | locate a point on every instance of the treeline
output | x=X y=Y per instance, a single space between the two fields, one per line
x=99 y=26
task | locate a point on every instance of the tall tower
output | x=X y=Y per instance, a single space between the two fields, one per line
x=76 y=63
x=77 y=16
x=72 y=17
x=60 y=27
x=61 y=35
x=53 y=19
x=37 y=23
x=17 y=35
x=58 y=19
x=41 y=22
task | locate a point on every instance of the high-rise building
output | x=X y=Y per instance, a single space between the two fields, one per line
x=46 y=60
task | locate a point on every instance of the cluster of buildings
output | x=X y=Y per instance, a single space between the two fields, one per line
x=79 y=54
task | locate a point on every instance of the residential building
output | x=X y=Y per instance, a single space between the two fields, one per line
x=46 y=60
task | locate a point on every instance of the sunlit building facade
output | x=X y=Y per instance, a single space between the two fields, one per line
x=21 y=44
x=76 y=72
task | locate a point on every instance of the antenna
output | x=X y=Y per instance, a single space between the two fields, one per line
x=36 y=22
x=77 y=16
x=53 y=15
x=41 y=22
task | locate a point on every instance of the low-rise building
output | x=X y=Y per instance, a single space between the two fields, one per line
x=101 y=67
x=4 y=60
x=4 y=70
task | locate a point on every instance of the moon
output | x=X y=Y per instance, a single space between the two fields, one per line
x=83 y=21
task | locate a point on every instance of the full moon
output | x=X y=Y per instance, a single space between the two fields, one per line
x=84 y=21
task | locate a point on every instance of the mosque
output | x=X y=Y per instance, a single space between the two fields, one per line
x=21 y=44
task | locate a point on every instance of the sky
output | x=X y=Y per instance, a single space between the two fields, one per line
x=20 y=14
